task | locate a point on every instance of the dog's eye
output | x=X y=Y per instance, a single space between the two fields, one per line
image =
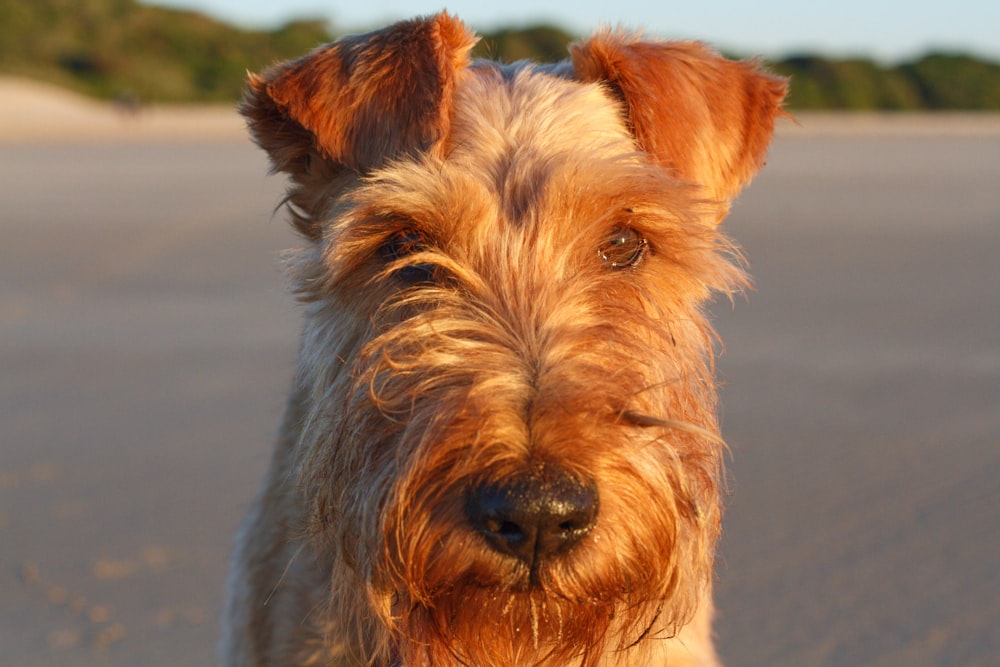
x=401 y=245
x=624 y=249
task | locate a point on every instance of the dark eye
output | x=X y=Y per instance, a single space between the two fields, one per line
x=400 y=246
x=624 y=249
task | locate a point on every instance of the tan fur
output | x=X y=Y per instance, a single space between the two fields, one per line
x=519 y=354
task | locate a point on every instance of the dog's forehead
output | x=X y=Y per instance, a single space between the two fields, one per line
x=531 y=111
x=515 y=129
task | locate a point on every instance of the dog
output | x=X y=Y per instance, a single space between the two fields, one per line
x=502 y=445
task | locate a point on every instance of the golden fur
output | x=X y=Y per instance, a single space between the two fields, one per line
x=515 y=350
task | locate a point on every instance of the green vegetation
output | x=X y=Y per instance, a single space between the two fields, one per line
x=934 y=82
x=110 y=48
x=122 y=48
x=541 y=43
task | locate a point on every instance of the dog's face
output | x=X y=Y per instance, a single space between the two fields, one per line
x=511 y=453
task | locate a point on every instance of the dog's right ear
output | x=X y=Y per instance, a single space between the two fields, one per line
x=362 y=101
x=707 y=119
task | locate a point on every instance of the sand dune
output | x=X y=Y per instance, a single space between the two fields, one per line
x=32 y=111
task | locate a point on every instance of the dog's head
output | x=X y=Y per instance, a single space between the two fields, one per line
x=367 y=100
x=511 y=442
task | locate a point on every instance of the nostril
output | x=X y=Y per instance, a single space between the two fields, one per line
x=510 y=529
x=506 y=529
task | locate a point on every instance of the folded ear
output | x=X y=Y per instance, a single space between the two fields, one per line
x=708 y=119
x=363 y=100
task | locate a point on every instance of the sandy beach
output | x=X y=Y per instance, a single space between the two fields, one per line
x=147 y=343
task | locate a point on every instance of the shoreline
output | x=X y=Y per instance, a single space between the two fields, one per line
x=33 y=112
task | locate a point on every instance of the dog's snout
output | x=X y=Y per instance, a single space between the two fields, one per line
x=533 y=517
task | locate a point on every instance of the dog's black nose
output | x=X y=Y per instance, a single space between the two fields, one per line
x=533 y=517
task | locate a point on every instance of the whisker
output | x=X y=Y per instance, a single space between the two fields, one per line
x=642 y=420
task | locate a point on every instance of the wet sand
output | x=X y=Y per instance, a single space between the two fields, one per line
x=146 y=345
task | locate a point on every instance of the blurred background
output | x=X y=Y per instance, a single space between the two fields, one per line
x=147 y=342
x=850 y=54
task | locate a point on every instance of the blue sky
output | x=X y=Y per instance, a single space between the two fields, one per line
x=889 y=30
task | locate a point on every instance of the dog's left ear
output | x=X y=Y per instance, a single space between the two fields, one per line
x=361 y=101
x=706 y=118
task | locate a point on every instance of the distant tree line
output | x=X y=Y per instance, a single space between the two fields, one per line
x=937 y=81
x=117 y=48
